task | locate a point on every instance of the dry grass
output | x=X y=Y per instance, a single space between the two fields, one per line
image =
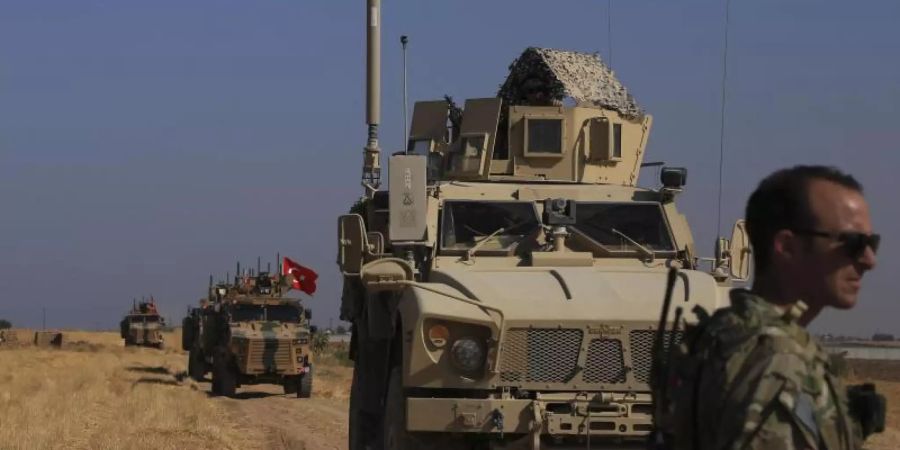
x=95 y=394
x=334 y=372
x=886 y=376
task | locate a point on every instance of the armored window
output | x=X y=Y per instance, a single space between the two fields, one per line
x=419 y=146
x=608 y=224
x=472 y=146
x=617 y=140
x=605 y=140
x=282 y=313
x=543 y=137
x=247 y=313
x=503 y=223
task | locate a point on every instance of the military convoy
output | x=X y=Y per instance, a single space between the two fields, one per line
x=142 y=325
x=503 y=291
x=248 y=332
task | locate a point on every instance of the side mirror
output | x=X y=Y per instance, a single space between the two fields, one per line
x=307 y=313
x=739 y=252
x=351 y=243
x=387 y=274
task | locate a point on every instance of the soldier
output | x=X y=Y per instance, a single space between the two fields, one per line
x=752 y=376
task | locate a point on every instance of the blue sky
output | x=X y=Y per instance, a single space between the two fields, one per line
x=144 y=145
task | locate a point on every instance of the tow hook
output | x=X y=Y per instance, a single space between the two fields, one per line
x=497 y=419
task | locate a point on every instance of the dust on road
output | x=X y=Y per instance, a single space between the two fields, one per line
x=287 y=422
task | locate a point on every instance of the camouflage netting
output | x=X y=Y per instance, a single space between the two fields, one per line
x=559 y=74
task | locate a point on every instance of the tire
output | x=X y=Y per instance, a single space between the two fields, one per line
x=304 y=387
x=396 y=437
x=290 y=385
x=355 y=432
x=224 y=377
x=196 y=365
x=365 y=428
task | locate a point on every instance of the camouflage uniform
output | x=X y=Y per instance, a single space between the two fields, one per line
x=751 y=377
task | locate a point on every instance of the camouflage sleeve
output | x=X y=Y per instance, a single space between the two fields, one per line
x=763 y=405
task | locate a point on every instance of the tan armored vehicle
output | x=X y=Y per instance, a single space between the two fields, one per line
x=9 y=337
x=142 y=325
x=505 y=289
x=48 y=339
x=250 y=333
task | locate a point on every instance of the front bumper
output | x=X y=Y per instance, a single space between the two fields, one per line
x=613 y=415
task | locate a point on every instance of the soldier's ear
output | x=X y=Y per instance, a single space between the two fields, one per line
x=785 y=246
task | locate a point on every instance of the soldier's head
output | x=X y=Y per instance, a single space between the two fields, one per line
x=811 y=233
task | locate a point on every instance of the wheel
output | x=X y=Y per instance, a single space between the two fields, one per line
x=304 y=388
x=395 y=435
x=290 y=385
x=354 y=432
x=365 y=431
x=224 y=378
x=196 y=365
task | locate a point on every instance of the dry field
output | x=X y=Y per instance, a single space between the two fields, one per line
x=94 y=393
x=886 y=376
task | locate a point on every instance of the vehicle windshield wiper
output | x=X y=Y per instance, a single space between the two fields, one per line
x=647 y=253
x=471 y=252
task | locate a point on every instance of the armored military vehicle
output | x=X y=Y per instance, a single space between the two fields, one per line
x=142 y=325
x=504 y=290
x=248 y=332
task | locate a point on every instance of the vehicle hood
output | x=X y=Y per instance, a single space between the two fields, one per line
x=577 y=293
x=266 y=330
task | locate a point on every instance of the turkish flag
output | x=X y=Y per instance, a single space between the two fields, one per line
x=304 y=278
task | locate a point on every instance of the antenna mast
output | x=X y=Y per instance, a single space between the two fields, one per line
x=371 y=176
x=722 y=124
x=403 y=41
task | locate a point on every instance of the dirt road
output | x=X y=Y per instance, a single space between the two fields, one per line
x=286 y=422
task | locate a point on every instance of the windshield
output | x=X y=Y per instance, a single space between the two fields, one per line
x=142 y=319
x=606 y=222
x=465 y=223
x=272 y=313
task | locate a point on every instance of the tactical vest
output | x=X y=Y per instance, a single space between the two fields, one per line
x=752 y=369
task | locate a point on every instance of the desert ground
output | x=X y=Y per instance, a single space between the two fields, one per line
x=93 y=393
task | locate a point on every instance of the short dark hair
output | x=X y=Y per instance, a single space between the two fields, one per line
x=781 y=201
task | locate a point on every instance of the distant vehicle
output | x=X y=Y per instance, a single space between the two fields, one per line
x=246 y=333
x=142 y=326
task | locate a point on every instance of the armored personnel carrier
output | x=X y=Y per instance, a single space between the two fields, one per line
x=504 y=291
x=142 y=325
x=248 y=332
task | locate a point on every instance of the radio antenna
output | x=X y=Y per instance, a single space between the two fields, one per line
x=609 y=32
x=403 y=41
x=722 y=124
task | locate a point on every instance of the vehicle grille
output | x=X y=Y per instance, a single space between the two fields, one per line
x=604 y=363
x=540 y=355
x=641 y=343
x=269 y=355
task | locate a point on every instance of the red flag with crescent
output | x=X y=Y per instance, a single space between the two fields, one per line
x=304 y=278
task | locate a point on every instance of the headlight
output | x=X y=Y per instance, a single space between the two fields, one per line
x=467 y=354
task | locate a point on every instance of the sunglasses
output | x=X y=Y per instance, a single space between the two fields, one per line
x=854 y=243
